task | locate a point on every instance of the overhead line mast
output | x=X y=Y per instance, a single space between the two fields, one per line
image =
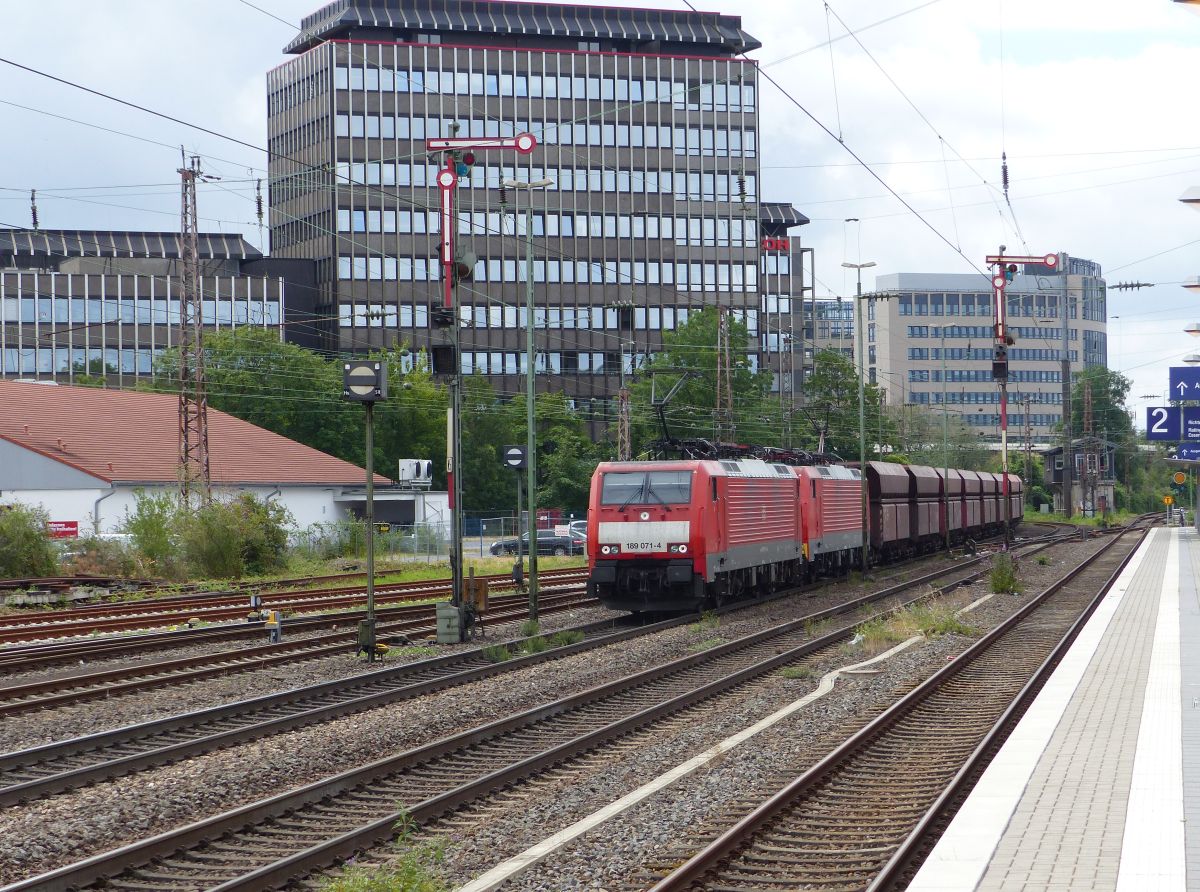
x=194 y=476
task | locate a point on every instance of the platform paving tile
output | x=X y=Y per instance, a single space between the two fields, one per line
x=1189 y=653
x=1068 y=833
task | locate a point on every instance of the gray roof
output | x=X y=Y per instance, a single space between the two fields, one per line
x=92 y=243
x=780 y=212
x=335 y=20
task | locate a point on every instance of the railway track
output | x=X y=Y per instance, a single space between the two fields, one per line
x=843 y=824
x=416 y=620
x=263 y=844
x=127 y=615
x=68 y=764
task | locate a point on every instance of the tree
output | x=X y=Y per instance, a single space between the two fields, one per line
x=253 y=374
x=411 y=422
x=228 y=539
x=922 y=430
x=566 y=454
x=91 y=374
x=831 y=401
x=488 y=426
x=692 y=350
x=1110 y=417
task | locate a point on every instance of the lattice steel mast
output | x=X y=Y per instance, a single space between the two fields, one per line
x=193 y=401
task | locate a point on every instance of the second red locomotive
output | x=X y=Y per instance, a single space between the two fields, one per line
x=675 y=535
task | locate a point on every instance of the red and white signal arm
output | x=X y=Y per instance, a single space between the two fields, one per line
x=63 y=529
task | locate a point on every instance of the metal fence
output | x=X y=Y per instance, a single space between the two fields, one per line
x=348 y=539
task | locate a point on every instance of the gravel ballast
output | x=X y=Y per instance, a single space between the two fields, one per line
x=45 y=834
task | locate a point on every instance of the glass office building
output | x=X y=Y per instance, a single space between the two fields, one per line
x=647 y=124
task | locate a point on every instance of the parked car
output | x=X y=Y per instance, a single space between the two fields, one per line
x=579 y=528
x=547 y=543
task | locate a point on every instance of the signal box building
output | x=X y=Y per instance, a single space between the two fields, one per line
x=647 y=124
x=1093 y=480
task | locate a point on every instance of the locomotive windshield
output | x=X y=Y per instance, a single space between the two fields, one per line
x=646 y=488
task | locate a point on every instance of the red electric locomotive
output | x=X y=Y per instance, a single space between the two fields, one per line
x=673 y=535
x=676 y=535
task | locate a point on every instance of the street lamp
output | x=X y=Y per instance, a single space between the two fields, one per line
x=530 y=390
x=862 y=407
x=1192 y=359
x=1193 y=329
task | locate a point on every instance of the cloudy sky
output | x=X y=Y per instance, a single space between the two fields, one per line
x=1093 y=101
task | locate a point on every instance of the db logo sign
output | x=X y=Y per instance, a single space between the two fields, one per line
x=775 y=244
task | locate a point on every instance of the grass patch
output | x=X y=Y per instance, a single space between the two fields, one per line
x=1113 y=518
x=803 y=672
x=707 y=622
x=535 y=645
x=1004 y=575
x=928 y=620
x=497 y=653
x=415 y=870
x=935 y=619
x=1043 y=561
x=706 y=644
x=562 y=639
x=529 y=628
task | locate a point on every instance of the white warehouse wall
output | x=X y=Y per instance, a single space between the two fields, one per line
x=308 y=504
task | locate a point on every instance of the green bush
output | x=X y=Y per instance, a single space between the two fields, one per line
x=24 y=548
x=103 y=557
x=1004 y=575
x=228 y=540
x=151 y=525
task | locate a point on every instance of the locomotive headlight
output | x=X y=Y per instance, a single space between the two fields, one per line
x=610 y=549
x=677 y=549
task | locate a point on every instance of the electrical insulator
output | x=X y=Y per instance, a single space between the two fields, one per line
x=33 y=207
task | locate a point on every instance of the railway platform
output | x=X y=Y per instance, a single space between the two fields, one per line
x=1098 y=788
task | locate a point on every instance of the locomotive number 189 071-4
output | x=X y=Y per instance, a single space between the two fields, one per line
x=645 y=546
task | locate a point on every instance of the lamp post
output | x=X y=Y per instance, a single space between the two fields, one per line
x=945 y=448
x=862 y=406
x=530 y=392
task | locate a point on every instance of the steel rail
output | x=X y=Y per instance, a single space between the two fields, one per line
x=751 y=656
x=145 y=614
x=30 y=773
x=38 y=695
x=740 y=835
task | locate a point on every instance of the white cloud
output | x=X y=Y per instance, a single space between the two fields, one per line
x=1080 y=79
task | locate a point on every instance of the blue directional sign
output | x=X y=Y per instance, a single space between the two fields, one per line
x=1188 y=452
x=1185 y=383
x=1191 y=425
x=1163 y=423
